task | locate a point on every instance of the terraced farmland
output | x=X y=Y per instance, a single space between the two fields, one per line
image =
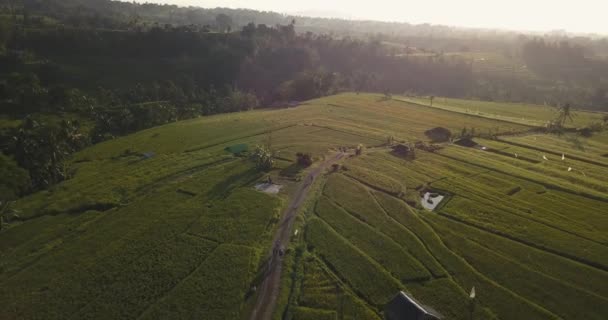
x=527 y=114
x=165 y=224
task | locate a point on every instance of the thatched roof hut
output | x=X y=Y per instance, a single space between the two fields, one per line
x=466 y=142
x=403 y=151
x=404 y=307
x=237 y=148
x=439 y=134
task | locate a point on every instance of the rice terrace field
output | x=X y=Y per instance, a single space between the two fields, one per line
x=166 y=224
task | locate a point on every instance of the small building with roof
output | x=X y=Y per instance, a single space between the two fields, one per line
x=405 y=307
x=439 y=134
x=403 y=151
x=237 y=149
x=466 y=142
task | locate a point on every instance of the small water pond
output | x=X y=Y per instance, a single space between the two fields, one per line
x=430 y=200
x=268 y=187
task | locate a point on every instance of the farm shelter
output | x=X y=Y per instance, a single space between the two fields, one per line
x=439 y=134
x=403 y=151
x=404 y=307
x=237 y=149
x=466 y=142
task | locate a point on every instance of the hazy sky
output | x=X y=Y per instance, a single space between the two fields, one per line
x=537 y=15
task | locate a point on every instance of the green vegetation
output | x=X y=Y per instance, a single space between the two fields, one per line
x=126 y=257
x=303 y=313
x=133 y=136
x=496 y=297
x=323 y=291
x=240 y=218
x=15 y=180
x=99 y=66
x=263 y=157
x=514 y=276
x=364 y=275
x=144 y=282
x=375 y=179
x=591 y=149
x=523 y=113
x=165 y=222
x=378 y=246
x=206 y=293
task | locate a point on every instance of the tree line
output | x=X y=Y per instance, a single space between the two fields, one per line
x=186 y=72
x=109 y=68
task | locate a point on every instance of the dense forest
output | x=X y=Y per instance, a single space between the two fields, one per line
x=77 y=72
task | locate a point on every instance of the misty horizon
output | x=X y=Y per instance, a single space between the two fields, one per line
x=266 y=160
x=584 y=17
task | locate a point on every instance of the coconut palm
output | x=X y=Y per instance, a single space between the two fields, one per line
x=565 y=114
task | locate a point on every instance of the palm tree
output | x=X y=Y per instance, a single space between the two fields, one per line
x=565 y=114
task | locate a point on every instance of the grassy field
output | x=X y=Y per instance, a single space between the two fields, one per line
x=322 y=290
x=183 y=234
x=526 y=114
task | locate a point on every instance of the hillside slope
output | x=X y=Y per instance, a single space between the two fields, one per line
x=165 y=223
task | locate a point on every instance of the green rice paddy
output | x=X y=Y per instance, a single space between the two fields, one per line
x=183 y=234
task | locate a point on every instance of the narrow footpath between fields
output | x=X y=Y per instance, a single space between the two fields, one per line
x=268 y=290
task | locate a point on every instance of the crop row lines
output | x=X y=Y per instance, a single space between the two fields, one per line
x=544 y=184
x=484 y=277
x=342 y=284
x=380 y=231
x=528 y=243
x=522 y=145
x=466 y=114
x=174 y=176
x=491 y=201
x=417 y=237
x=481 y=244
x=256 y=134
x=176 y=285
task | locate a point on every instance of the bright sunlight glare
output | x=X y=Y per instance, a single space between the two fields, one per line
x=522 y=15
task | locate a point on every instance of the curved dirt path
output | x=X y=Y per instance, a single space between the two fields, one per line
x=268 y=290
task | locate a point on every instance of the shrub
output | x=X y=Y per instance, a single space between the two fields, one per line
x=263 y=158
x=588 y=131
x=359 y=150
x=304 y=159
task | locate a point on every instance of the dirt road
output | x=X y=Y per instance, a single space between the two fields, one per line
x=268 y=290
